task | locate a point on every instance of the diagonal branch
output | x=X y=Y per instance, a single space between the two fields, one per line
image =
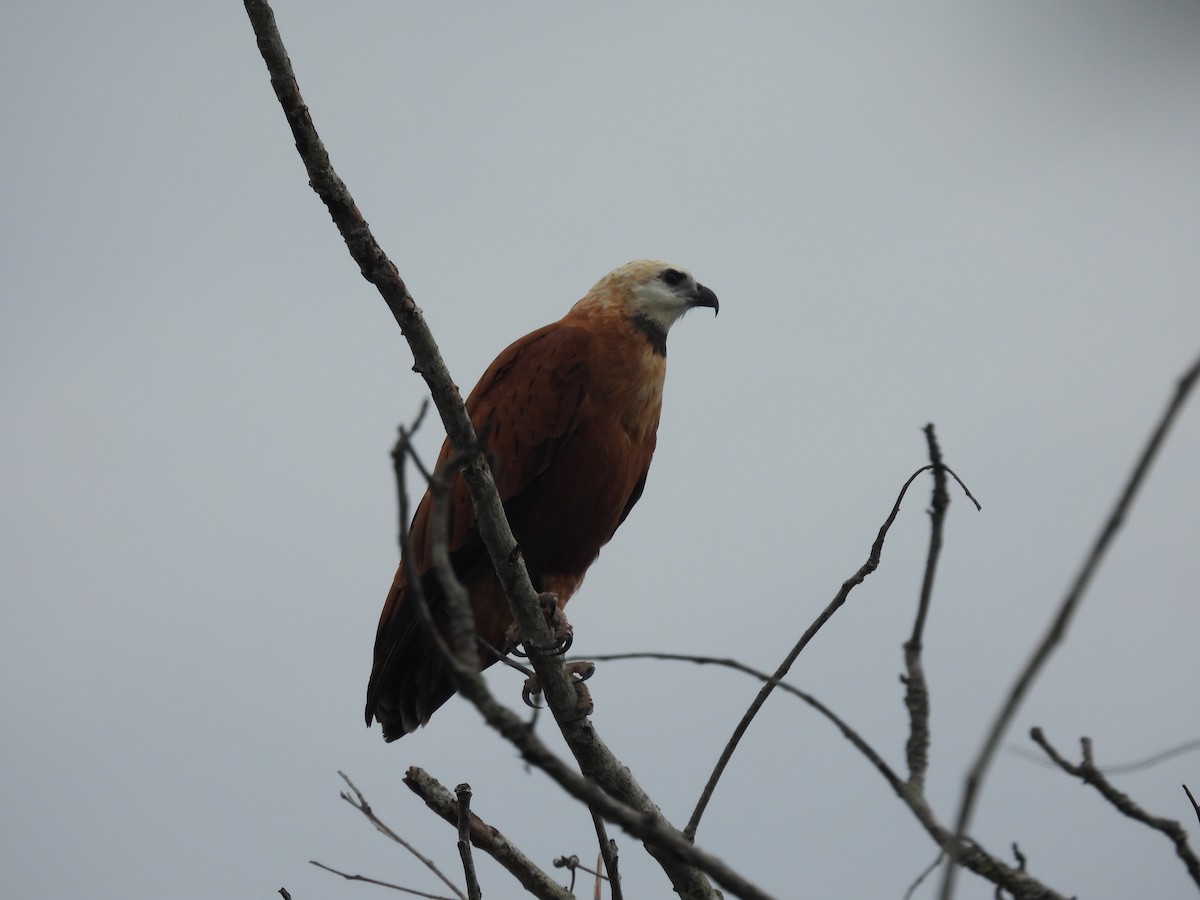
x=1124 y=804
x=598 y=764
x=1058 y=628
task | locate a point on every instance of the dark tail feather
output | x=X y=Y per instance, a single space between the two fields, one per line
x=408 y=681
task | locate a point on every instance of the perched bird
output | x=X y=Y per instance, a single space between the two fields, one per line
x=569 y=414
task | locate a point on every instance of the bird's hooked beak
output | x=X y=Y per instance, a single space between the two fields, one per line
x=702 y=296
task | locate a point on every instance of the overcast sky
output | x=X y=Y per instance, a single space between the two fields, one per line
x=985 y=215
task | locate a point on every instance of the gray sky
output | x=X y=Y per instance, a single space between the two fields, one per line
x=986 y=216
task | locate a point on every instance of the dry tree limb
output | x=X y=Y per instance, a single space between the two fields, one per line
x=600 y=767
x=1124 y=804
x=1058 y=627
x=848 y=585
x=359 y=802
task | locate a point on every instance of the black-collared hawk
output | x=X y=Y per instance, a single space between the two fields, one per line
x=569 y=414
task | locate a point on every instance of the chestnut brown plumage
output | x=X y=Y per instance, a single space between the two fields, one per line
x=570 y=415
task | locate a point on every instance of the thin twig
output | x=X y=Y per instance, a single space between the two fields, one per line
x=1195 y=806
x=400 y=450
x=848 y=585
x=1123 y=803
x=925 y=873
x=463 y=794
x=359 y=802
x=599 y=766
x=1058 y=628
x=608 y=853
x=386 y=884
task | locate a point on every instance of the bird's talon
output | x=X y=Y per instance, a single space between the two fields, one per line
x=581 y=670
x=532 y=690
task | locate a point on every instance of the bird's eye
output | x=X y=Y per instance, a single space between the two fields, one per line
x=672 y=277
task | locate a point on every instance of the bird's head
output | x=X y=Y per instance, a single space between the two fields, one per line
x=651 y=293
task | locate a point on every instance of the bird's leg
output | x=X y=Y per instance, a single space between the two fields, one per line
x=564 y=635
x=556 y=621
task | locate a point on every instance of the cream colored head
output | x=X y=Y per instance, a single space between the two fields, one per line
x=651 y=292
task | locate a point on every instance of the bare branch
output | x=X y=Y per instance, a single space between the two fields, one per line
x=463 y=794
x=1058 y=628
x=848 y=585
x=1124 y=804
x=1195 y=806
x=386 y=884
x=596 y=761
x=359 y=802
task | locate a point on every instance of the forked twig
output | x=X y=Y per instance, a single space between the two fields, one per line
x=1123 y=803
x=848 y=585
x=359 y=802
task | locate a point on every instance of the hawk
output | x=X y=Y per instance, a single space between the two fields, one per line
x=569 y=414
